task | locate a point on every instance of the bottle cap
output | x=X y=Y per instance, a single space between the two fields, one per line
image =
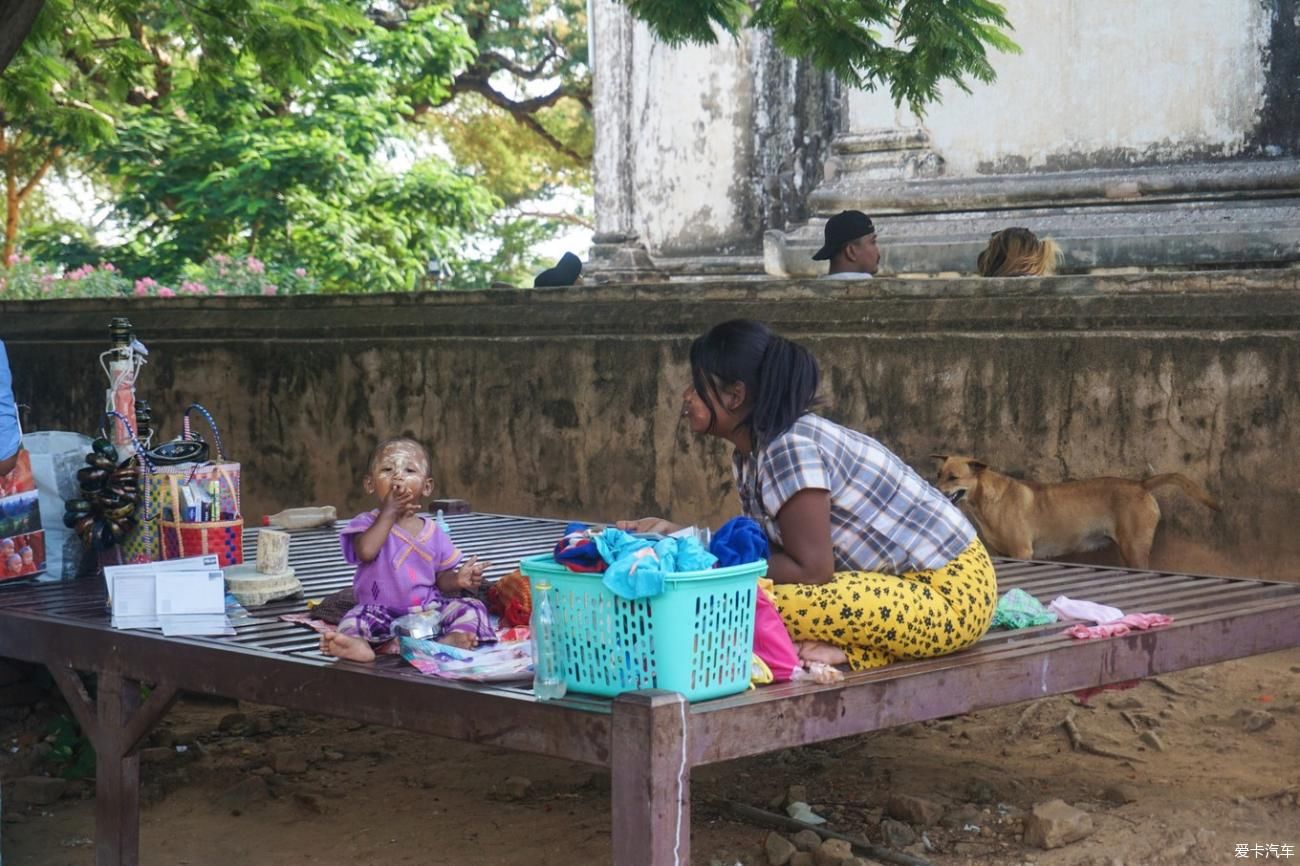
x=542 y=584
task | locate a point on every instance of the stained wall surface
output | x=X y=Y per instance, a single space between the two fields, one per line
x=566 y=403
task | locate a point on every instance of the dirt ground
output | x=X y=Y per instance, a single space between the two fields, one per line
x=1199 y=763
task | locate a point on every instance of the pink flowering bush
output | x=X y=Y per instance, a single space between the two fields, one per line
x=223 y=275
x=220 y=275
x=25 y=279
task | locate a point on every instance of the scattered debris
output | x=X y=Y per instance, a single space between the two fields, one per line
x=1258 y=720
x=763 y=818
x=803 y=812
x=1080 y=745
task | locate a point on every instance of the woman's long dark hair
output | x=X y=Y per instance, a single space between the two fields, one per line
x=780 y=376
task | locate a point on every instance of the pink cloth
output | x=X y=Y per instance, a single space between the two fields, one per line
x=772 y=642
x=1070 y=608
x=1119 y=627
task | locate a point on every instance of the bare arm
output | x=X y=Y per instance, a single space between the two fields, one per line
x=370 y=542
x=648 y=524
x=7 y=464
x=805 y=523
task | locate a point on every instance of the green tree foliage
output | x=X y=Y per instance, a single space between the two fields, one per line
x=931 y=41
x=324 y=132
x=313 y=131
x=304 y=173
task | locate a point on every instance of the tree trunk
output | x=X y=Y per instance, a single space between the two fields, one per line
x=16 y=19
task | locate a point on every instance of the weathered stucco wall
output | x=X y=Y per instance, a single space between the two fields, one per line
x=566 y=403
x=695 y=145
x=700 y=148
x=1102 y=83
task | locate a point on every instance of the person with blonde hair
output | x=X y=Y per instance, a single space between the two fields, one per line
x=1017 y=252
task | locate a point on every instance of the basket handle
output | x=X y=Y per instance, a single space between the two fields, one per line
x=216 y=434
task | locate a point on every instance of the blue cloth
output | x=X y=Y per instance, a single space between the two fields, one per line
x=740 y=541
x=637 y=567
x=10 y=436
x=576 y=551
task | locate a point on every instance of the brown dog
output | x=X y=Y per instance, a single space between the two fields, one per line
x=1029 y=520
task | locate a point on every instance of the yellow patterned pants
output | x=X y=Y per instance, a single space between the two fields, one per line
x=879 y=618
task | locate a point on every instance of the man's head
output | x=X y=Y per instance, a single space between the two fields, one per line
x=567 y=272
x=850 y=244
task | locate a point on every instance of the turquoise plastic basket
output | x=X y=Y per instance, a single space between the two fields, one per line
x=697 y=637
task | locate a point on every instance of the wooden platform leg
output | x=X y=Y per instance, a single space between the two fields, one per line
x=116 y=724
x=117 y=777
x=651 y=779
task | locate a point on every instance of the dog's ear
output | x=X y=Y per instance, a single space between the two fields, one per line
x=939 y=457
x=977 y=466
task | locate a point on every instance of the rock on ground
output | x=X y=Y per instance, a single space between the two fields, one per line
x=1055 y=823
x=779 y=849
x=914 y=810
x=38 y=790
x=807 y=840
x=833 y=852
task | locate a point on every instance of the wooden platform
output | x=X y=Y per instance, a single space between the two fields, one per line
x=649 y=739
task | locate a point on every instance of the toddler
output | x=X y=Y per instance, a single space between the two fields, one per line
x=405 y=563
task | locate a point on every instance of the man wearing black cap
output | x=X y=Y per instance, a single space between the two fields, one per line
x=567 y=272
x=850 y=246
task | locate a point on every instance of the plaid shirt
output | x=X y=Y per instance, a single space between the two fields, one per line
x=884 y=517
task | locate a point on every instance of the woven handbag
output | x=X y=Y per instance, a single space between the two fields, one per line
x=181 y=531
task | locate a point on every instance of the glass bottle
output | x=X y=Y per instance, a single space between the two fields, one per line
x=119 y=363
x=548 y=681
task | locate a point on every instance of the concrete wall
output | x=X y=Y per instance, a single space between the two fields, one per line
x=566 y=403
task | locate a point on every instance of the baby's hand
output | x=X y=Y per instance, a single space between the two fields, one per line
x=469 y=577
x=397 y=503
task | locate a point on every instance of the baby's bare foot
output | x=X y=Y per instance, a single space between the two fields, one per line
x=824 y=674
x=820 y=651
x=459 y=639
x=343 y=646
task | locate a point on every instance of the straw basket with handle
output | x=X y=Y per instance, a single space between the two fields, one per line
x=182 y=529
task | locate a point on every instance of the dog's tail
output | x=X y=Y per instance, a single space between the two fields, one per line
x=1188 y=486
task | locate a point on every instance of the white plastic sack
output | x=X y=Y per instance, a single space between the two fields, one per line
x=56 y=457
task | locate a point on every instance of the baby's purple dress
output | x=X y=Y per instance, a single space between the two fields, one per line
x=402 y=579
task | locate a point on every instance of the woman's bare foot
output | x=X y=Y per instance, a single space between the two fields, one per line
x=820 y=651
x=343 y=646
x=459 y=639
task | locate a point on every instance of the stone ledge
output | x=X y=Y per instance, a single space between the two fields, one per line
x=1214 y=300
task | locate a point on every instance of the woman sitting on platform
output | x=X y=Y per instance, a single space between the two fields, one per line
x=871 y=563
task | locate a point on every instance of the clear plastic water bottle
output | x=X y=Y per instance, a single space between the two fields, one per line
x=548 y=682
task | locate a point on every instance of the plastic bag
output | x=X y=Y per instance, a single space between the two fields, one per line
x=486 y=663
x=56 y=456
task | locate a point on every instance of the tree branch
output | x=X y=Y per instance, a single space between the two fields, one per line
x=499 y=61
x=522 y=111
x=36 y=178
x=572 y=219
